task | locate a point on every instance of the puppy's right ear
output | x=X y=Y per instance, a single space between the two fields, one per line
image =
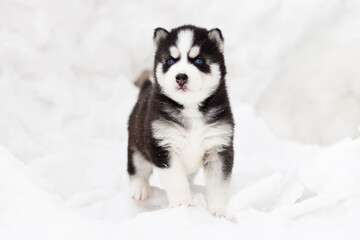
x=159 y=34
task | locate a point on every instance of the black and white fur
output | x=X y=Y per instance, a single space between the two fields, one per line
x=180 y=124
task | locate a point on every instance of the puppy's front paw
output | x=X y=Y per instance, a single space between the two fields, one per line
x=217 y=211
x=140 y=189
x=180 y=200
x=219 y=214
x=189 y=204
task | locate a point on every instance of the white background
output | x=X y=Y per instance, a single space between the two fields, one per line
x=66 y=72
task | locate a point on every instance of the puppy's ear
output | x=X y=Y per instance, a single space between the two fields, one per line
x=159 y=34
x=216 y=36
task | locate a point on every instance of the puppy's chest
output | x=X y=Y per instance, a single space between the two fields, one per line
x=194 y=139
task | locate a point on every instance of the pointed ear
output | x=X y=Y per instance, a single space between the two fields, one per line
x=159 y=34
x=216 y=36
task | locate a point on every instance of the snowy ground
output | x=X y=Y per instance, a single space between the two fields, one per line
x=65 y=94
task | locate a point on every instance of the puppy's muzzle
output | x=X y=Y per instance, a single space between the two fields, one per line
x=181 y=79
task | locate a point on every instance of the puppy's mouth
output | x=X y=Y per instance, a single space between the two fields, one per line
x=182 y=88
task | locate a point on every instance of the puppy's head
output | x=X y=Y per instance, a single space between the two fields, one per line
x=189 y=62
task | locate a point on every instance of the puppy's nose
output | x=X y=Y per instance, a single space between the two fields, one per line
x=181 y=79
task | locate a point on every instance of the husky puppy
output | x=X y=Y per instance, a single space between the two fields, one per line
x=182 y=120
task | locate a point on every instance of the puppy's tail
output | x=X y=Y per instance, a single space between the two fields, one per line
x=145 y=75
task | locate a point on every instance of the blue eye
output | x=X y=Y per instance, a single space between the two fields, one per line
x=170 y=62
x=199 y=61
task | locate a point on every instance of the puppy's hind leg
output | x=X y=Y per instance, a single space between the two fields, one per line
x=139 y=170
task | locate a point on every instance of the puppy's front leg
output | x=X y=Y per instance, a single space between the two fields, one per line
x=176 y=183
x=217 y=170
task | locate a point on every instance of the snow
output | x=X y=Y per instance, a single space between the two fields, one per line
x=65 y=94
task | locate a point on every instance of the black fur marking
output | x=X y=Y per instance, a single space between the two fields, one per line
x=218 y=100
x=159 y=155
x=166 y=66
x=169 y=109
x=130 y=165
x=205 y=68
x=227 y=156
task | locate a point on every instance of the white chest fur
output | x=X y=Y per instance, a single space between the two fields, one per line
x=192 y=142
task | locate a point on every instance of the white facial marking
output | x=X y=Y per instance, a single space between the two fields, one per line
x=200 y=85
x=194 y=51
x=184 y=42
x=174 y=52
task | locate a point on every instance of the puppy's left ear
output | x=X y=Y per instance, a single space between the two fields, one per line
x=216 y=36
x=159 y=34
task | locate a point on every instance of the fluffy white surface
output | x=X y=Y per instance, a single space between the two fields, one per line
x=65 y=95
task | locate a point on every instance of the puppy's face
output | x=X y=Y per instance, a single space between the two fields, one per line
x=189 y=62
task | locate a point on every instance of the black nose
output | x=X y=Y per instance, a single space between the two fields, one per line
x=181 y=79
